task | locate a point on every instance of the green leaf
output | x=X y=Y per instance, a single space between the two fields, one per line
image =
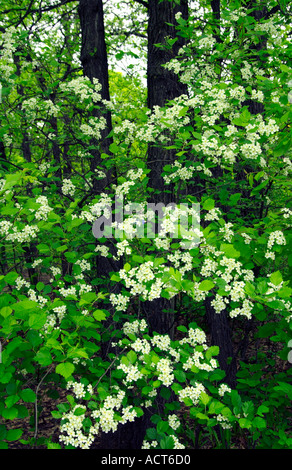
x=65 y=369
x=5 y=311
x=204 y=398
x=43 y=248
x=244 y=423
x=285 y=388
x=10 y=413
x=132 y=356
x=28 y=395
x=206 y=285
x=180 y=375
x=162 y=426
x=11 y=277
x=53 y=445
x=114 y=148
x=209 y=204
x=229 y=250
x=259 y=423
x=13 y=434
x=37 y=320
x=151 y=433
x=167 y=443
x=212 y=351
x=262 y=409
x=43 y=357
x=79 y=411
x=276 y=278
x=99 y=315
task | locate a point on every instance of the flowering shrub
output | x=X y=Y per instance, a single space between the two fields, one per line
x=63 y=324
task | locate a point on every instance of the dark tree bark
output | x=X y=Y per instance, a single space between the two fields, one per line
x=95 y=65
x=162 y=84
x=221 y=336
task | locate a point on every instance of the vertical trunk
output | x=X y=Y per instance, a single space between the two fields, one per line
x=221 y=336
x=95 y=65
x=163 y=85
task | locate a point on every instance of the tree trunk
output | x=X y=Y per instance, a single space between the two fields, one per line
x=221 y=336
x=163 y=85
x=95 y=65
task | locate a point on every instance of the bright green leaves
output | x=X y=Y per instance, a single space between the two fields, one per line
x=206 y=285
x=276 y=278
x=37 y=320
x=99 y=315
x=243 y=119
x=65 y=369
x=208 y=204
x=11 y=277
x=229 y=250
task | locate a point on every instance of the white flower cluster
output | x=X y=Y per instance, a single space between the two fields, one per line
x=81 y=87
x=94 y=127
x=44 y=167
x=84 y=265
x=191 y=392
x=142 y=346
x=119 y=301
x=70 y=291
x=68 y=187
x=44 y=210
x=173 y=422
x=177 y=444
x=36 y=263
x=8 y=47
x=103 y=250
x=50 y=108
x=245 y=310
x=207 y=42
x=227 y=232
x=276 y=237
x=72 y=430
x=102 y=207
x=149 y=445
x=223 y=388
x=60 y=311
x=20 y=282
x=257 y=95
x=55 y=270
x=183 y=173
x=165 y=372
x=79 y=389
x=134 y=327
x=25 y=235
x=286 y=212
x=132 y=372
x=194 y=360
x=37 y=298
x=106 y=415
x=213 y=214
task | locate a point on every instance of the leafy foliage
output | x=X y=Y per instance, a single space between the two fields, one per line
x=64 y=325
